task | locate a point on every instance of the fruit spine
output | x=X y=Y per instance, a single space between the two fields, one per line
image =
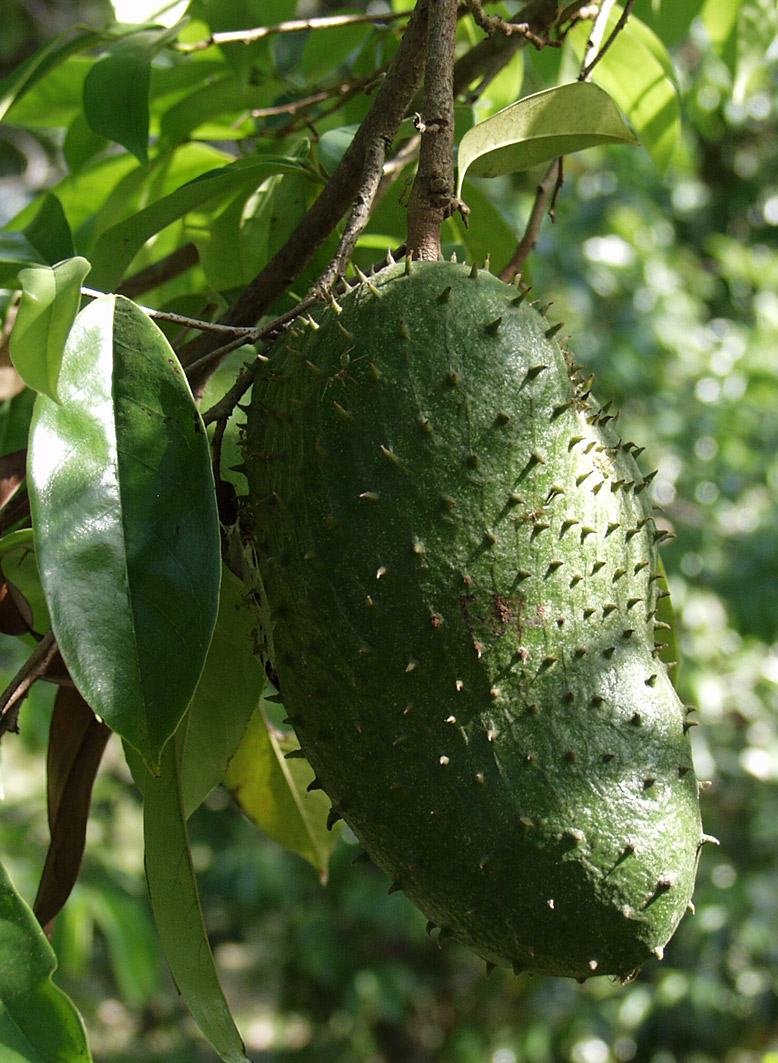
x=460 y=585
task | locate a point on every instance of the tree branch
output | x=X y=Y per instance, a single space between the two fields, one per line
x=432 y=198
x=379 y=127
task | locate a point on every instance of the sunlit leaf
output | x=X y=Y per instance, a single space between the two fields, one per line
x=177 y=912
x=126 y=532
x=721 y=18
x=56 y=51
x=38 y=1023
x=273 y=792
x=51 y=296
x=118 y=245
x=638 y=73
x=540 y=128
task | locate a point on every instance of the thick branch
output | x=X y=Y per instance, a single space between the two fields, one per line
x=379 y=127
x=432 y=198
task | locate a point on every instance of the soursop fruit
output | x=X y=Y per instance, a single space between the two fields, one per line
x=459 y=579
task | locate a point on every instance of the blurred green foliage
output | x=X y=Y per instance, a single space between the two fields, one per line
x=669 y=288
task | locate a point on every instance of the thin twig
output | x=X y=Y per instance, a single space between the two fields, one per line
x=341 y=93
x=547 y=186
x=598 y=31
x=32 y=669
x=381 y=123
x=490 y=23
x=266 y=331
x=242 y=332
x=258 y=33
x=221 y=411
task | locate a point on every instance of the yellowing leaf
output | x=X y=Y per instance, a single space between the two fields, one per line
x=273 y=792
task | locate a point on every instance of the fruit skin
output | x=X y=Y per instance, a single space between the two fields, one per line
x=459 y=582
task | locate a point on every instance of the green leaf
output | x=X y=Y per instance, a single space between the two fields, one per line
x=132 y=942
x=116 y=90
x=227 y=695
x=229 y=97
x=16 y=253
x=720 y=19
x=15 y=417
x=49 y=232
x=177 y=912
x=51 y=296
x=118 y=245
x=487 y=234
x=56 y=51
x=38 y=1023
x=671 y=19
x=273 y=792
x=638 y=73
x=334 y=144
x=17 y=552
x=81 y=143
x=540 y=128
x=126 y=532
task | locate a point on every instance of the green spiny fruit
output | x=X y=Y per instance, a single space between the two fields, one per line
x=460 y=582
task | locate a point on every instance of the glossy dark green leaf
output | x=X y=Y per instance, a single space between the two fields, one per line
x=119 y=244
x=540 y=128
x=51 y=296
x=38 y=1023
x=177 y=912
x=126 y=532
x=116 y=90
